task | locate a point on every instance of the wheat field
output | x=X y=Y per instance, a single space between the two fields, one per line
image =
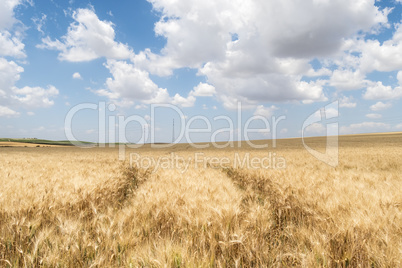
x=73 y=207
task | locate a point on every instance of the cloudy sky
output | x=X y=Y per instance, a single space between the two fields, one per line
x=277 y=58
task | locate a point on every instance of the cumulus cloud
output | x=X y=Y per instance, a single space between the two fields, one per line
x=287 y=28
x=10 y=39
x=203 y=90
x=378 y=91
x=259 y=51
x=379 y=106
x=88 y=38
x=383 y=57
x=77 y=76
x=248 y=51
x=184 y=102
x=12 y=97
x=35 y=97
x=7 y=18
x=27 y=97
x=265 y=87
x=364 y=128
x=347 y=80
x=347 y=102
x=129 y=81
x=9 y=74
x=154 y=63
x=11 y=45
x=7 y=112
x=129 y=84
x=399 y=77
x=360 y=56
x=265 y=111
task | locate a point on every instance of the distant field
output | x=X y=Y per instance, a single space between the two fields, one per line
x=23 y=144
x=27 y=142
x=187 y=207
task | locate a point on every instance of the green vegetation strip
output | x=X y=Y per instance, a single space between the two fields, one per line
x=38 y=141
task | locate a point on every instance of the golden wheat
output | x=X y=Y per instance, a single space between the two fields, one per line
x=83 y=207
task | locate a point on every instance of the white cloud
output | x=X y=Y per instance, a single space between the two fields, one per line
x=251 y=88
x=364 y=128
x=203 y=90
x=320 y=72
x=265 y=111
x=331 y=112
x=9 y=74
x=268 y=61
x=378 y=91
x=161 y=95
x=373 y=116
x=379 y=106
x=7 y=18
x=7 y=112
x=311 y=91
x=349 y=56
x=184 y=102
x=129 y=84
x=290 y=29
x=11 y=45
x=194 y=35
x=347 y=102
x=383 y=57
x=347 y=80
x=12 y=97
x=88 y=38
x=275 y=41
x=153 y=63
x=361 y=56
x=27 y=97
x=77 y=76
x=10 y=36
x=35 y=97
x=399 y=77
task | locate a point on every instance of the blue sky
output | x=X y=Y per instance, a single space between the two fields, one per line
x=277 y=58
